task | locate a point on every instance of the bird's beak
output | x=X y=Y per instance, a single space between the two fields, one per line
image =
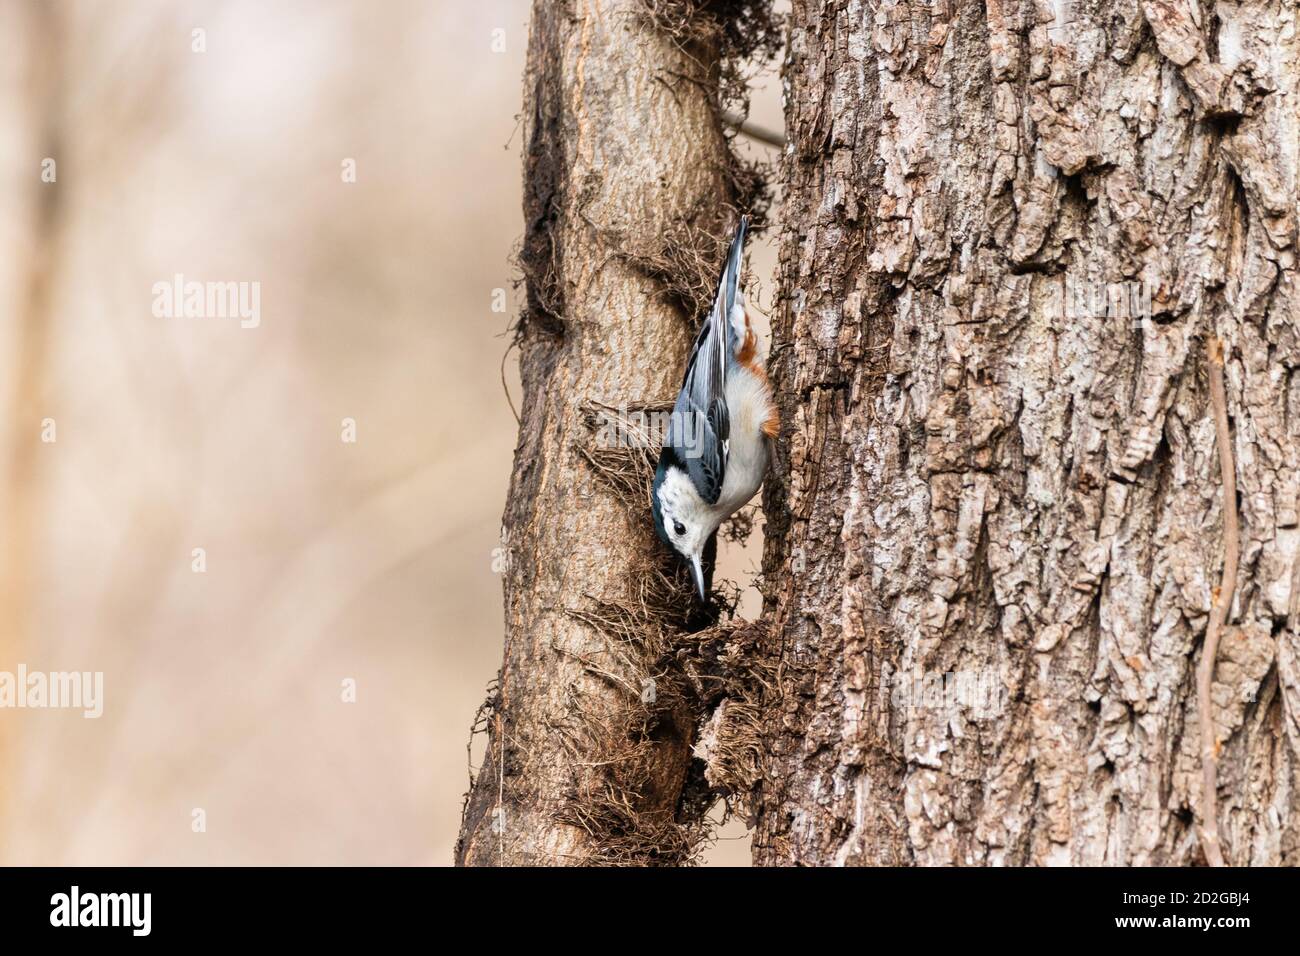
x=698 y=572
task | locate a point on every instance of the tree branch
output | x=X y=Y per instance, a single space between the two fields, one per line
x=753 y=130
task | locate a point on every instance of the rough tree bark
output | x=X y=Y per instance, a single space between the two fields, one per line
x=990 y=471
x=627 y=184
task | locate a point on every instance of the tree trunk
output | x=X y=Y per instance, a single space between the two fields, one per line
x=1012 y=230
x=627 y=181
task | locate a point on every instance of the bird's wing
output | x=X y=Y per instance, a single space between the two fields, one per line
x=701 y=407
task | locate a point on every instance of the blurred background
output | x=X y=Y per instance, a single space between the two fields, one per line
x=294 y=629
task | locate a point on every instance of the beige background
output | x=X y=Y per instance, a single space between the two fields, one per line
x=326 y=561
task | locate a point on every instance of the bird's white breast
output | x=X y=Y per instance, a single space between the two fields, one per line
x=749 y=402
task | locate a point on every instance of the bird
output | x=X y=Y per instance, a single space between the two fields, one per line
x=724 y=421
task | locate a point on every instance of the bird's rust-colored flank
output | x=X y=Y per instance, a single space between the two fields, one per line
x=748 y=357
x=748 y=354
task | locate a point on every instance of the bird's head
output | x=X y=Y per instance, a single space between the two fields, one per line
x=682 y=519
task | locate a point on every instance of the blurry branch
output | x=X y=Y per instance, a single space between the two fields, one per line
x=753 y=130
x=19 y=490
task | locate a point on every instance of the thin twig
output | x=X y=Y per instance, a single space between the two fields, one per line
x=505 y=386
x=753 y=130
x=1222 y=605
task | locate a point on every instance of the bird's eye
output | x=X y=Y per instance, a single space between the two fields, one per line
x=678 y=528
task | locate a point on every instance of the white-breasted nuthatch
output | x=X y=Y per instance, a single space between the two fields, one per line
x=717 y=448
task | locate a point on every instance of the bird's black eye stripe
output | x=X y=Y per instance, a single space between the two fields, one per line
x=678 y=528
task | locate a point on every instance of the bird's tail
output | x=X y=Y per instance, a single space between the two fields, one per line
x=726 y=334
x=731 y=271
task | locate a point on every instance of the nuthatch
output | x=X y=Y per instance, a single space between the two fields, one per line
x=717 y=448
